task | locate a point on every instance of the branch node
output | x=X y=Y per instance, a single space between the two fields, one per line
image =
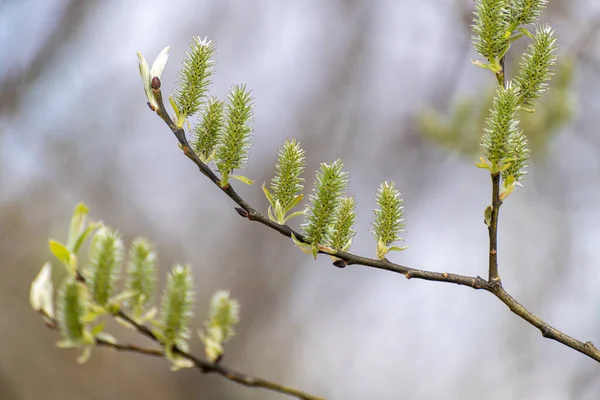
x=590 y=345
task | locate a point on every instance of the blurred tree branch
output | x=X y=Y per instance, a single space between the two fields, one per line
x=204 y=367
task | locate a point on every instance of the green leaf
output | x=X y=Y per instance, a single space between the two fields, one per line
x=78 y=223
x=65 y=344
x=41 y=292
x=92 y=315
x=60 y=251
x=509 y=186
x=178 y=116
x=98 y=328
x=107 y=337
x=86 y=355
x=295 y=201
x=483 y=164
x=396 y=248
x=268 y=195
x=271 y=216
x=279 y=213
x=306 y=248
x=243 y=179
x=84 y=235
x=293 y=215
x=178 y=362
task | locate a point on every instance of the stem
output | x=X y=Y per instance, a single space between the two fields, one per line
x=494 y=276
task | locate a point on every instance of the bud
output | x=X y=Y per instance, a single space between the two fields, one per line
x=155 y=83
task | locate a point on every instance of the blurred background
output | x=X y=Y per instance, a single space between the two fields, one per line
x=386 y=85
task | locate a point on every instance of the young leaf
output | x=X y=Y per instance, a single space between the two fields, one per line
x=78 y=223
x=41 y=292
x=232 y=152
x=320 y=218
x=177 y=303
x=106 y=255
x=194 y=79
x=60 y=251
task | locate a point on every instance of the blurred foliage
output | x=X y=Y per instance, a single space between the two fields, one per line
x=461 y=130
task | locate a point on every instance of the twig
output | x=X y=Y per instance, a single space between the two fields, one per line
x=494 y=276
x=203 y=366
x=495 y=288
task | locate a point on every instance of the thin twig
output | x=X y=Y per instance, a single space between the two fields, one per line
x=496 y=289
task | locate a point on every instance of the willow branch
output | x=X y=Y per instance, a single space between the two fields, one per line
x=474 y=282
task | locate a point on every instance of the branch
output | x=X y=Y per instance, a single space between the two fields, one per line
x=203 y=366
x=245 y=210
